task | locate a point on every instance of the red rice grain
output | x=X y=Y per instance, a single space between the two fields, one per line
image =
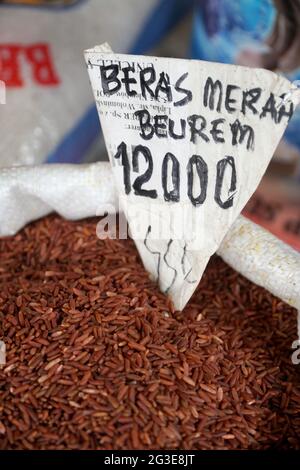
x=97 y=358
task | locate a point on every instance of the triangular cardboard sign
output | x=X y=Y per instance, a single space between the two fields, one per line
x=189 y=141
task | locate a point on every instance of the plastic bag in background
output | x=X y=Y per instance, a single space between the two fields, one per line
x=260 y=33
x=278 y=211
x=49 y=115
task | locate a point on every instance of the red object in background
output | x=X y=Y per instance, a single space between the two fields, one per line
x=37 y=56
x=10 y=69
x=275 y=206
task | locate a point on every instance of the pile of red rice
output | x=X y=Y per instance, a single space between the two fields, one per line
x=97 y=358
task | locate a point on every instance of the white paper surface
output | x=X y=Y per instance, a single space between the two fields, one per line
x=219 y=124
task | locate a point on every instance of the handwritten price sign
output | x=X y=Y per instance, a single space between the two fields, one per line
x=189 y=142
